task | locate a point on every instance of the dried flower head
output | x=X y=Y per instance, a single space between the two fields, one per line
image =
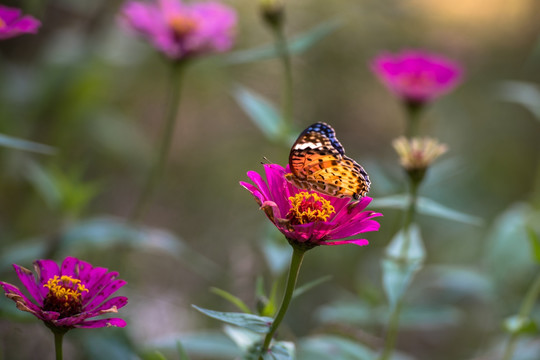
x=417 y=154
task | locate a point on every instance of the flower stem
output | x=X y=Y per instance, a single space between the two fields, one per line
x=524 y=312
x=409 y=215
x=287 y=100
x=58 y=338
x=393 y=324
x=165 y=144
x=536 y=188
x=391 y=335
x=296 y=262
x=413 y=118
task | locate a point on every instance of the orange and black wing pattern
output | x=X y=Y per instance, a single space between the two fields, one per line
x=318 y=162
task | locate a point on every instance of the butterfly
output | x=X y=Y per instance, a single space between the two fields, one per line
x=318 y=162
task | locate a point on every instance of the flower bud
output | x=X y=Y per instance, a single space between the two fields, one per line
x=417 y=154
x=273 y=12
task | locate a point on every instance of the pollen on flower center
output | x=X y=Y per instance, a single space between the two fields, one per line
x=64 y=295
x=309 y=207
x=182 y=25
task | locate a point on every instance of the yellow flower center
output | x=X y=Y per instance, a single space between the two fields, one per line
x=182 y=25
x=309 y=207
x=2 y=23
x=64 y=295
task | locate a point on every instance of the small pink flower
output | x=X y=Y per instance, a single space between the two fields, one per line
x=66 y=297
x=417 y=76
x=307 y=218
x=182 y=30
x=13 y=24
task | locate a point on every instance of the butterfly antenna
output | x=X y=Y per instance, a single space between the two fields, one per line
x=266 y=161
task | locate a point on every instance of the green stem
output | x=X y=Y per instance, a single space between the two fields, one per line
x=409 y=215
x=391 y=335
x=535 y=199
x=166 y=140
x=413 y=118
x=58 y=337
x=393 y=325
x=296 y=262
x=524 y=312
x=287 y=100
x=413 y=199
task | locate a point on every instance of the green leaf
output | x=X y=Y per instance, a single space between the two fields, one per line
x=330 y=347
x=310 y=285
x=508 y=247
x=261 y=111
x=359 y=313
x=522 y=93
x=63 y=191
x=429 y=207
x=154 y=355
x=426 y=206
x=280 y=350
x=197 y=345
x=258 y=324
x=44 y=183
x=534 y=240
x=404 y=257
x=520 y=325
x=407 y=246
x=232 y=299
x=245 y=339
x=266 y=305
x=182 y=354
x=396 y=279
x=296 y=45
x=25 y=145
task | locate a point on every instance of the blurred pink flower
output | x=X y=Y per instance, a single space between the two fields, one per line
x=307 y=218
x=182 y=30
x=417 y=76
x=13 y=24
x=65 y=297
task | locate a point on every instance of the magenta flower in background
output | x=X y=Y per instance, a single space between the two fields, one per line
x=417 y=76
x=13 y=24
x=66 y=297
x=182 y=30
x=308 y=218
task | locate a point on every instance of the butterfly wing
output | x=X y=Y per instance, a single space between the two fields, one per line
x=318 y=161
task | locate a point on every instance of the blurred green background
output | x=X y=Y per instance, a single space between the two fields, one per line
x=98 y=96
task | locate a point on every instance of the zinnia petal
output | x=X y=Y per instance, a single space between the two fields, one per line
x=60 y=293
x=312 y=221
x=29 y=282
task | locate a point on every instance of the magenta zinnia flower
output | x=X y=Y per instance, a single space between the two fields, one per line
x=417 y=76
x=181 y=30
x=66 y=297
x=13 y=24
x=308 y=218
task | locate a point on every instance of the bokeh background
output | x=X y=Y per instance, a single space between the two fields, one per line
x=98 y=95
